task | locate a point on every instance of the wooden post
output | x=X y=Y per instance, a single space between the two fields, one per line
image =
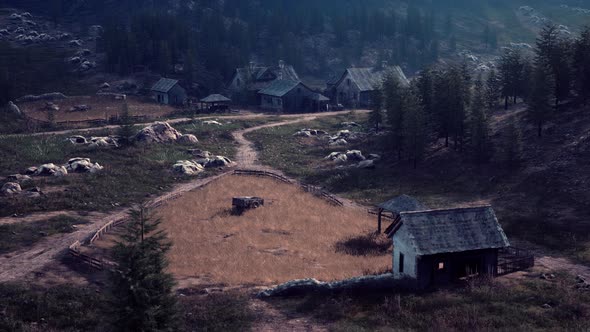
x=379 y=221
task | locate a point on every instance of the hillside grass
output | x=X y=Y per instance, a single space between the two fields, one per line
x=530 y=305
x=25 y=234
x=131 y=175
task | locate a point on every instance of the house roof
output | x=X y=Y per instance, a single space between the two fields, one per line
x=215 y=98
x=279 y=88
x=403 y=203
x=368 y=79
x=455 y=230
x=164 y=85
x=256 y=75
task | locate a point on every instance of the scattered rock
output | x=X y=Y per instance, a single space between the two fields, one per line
x=337 y=157
x=366 y=164
x=105 y=85
x=18 y=178
x=350 y=125
x=75 y=60
x=339 y=142
x=13 y=108
x=75 y=43
x=355 y=155
x=186 y=167
x=302 y=133
x=87 y=65
x=26 y=15
x=212 y=123
x=218 y=161
x=31 y=170
x=51 y=170
x=11 y=189
x=374 y=156
x=83 y=165
x=197 y=153
x=15 y=16
x=188 y=139
x=100 y=142
x=49 y=106
x=80 y=108
x=95 y=31
x=46 y=96
x=546 y=306
x=158 y=132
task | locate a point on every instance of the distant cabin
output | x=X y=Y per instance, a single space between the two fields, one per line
x=438 y=247
x=247 y=81
x=169 y=92
x=291 y=96
x=356 y=87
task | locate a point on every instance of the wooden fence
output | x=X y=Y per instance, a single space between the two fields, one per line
x=317 y=191
x=512 y=260
x=74 y=251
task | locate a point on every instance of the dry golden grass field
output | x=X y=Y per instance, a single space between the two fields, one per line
x=295 y=235
x=101 y=108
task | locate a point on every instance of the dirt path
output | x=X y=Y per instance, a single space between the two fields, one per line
x=270 y=319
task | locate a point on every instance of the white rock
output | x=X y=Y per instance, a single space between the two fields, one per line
x=159 y=132
x=218 y=161
x=339 y=142
x=355 y=155
x=212 y=123
x=10 y=189
x=13 y=108
x=188 y=139
x=187 y=167
x=366 y=164
x=51 y=170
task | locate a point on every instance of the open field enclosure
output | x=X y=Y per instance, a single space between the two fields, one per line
x=545 y=204
x=102 y=108
x=294 y=235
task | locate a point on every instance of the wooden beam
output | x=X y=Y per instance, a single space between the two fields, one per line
x=379 y=221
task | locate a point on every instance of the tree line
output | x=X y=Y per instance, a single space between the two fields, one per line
x=448 y=103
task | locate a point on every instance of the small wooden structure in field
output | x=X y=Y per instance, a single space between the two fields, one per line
x=393 y=207
x=169 y=92
x=241 y=204
x=438 y=247
x=215 y=103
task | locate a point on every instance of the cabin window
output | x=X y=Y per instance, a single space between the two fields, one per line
x=401 y=263
x=441 y=266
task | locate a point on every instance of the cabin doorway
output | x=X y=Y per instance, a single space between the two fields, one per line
x=468 y=268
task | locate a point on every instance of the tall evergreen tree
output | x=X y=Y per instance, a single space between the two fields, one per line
x=415 y=131
x=126 y=129
x=538 y=106
x=393 y=104
x=480 y=142
x=376 y=115
x=143 y=298
x=582 y=65
x=554 y=52
x=512 y=144
x=493 y=90
x=511 y=73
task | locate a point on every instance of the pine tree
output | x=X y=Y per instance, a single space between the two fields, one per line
x=142 y=294
x=511 y=72
x=393 y=104
x=414 y=127
x=126 y=129
x=538 y=106
x=492 y=90
x=480 y=142
x=582 y=66
x=512 y=145
x=376 y=115
x=554 y=53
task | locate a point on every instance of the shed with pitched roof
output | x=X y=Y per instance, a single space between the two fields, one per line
x=168 y=91
x=437 y=247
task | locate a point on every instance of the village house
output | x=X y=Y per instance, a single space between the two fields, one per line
x=169 y=92
x=247 y=81
x=291 y=96
x=356 y=87
x=437 y=247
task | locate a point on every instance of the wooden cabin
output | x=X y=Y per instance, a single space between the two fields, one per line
x=169 y=92
x=438 y=247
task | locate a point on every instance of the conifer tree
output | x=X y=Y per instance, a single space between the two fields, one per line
x=554 y=53
x=415 y=131
x=538 y=106
x=511 y=145
x=376 y=115
x=142 y=294
x=126 y=129
x=480 y=142
x=581 y=63
x=393 y=104
x=492 y=90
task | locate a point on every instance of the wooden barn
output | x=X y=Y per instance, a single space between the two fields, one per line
x=438 y=247
x=356 y=87
x=169 y=92
x=290 y=96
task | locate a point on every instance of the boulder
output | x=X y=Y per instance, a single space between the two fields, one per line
x=75 y=43
x=13 y=108
x=51 y=170
x=29 y=22
x=337 y=157
x=366 y=164
x=158 y=132
x=95 y=31
x=339 y=142
x=15 y=16
x=374 y=156
x=218 y=161
x=105 y=85
x=87 y=65
x=188 y=139
x=197 y=153
x=80 y=108
x=26 y=15
x=302 y=133
x=18 y=178
x=82 y=165
x=31 y=170
x=187 y=167
x=342 y=134
x=10 y=189
x=350 y=125
x=49 y=106
x=212 y=123
x=100 y=142
x=4 y=32
x=355 y=155
x=77 y=139
x=75 y=60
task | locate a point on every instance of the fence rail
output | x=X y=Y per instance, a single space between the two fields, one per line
x=317 y=191
x=74 y=251
x=513 y=259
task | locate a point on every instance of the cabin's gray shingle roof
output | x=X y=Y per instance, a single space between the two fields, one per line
x=456 y=230
x=215 y=98
x=369 y=79
x=164 y=85
x=256 y=74
x=403 y=203
x=279 y=88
